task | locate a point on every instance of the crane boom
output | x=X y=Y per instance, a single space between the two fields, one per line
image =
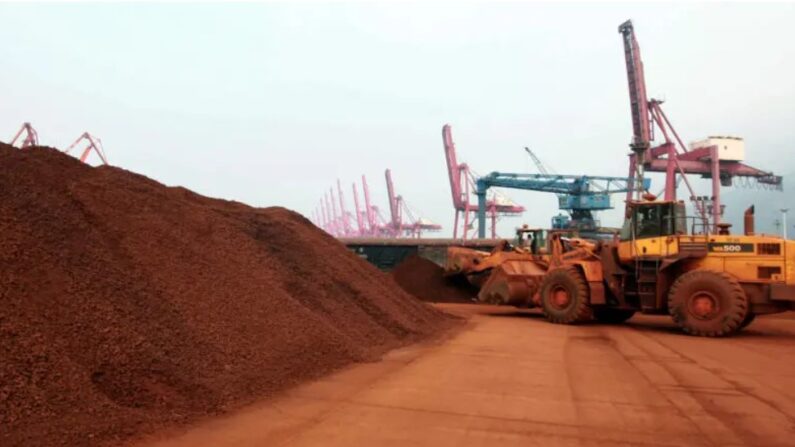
x=540 y=166
x=31 y=137
x=359 y=222
x=394 y=202
x=94 y=144
x=346 y=225
x=580 y=194
x=704 y=159
x=336 y=221
x=639 y=103
x=454 y=170
x=371 y=217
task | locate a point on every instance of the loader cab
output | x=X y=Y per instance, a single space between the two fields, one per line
x=531 y=239
x=647 y=232
x=654 y=220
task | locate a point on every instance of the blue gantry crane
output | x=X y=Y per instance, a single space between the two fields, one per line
x=580 y=195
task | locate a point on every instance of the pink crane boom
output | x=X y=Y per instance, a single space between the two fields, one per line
x=369 y=209
x=31 y=136
x=94 y=144
x=346 y=224
x=404 y=222
x=370 y=222
x=462 y=185
x=394 y=205
x=332 y=213
x=360 y=227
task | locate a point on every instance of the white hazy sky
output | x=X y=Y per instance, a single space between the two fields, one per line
x=270 y=103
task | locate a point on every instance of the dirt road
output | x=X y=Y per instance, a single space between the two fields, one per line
x=511 y=379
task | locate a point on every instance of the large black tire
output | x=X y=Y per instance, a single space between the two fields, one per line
x=610 y=315
x=565 y=296
x=708 y=303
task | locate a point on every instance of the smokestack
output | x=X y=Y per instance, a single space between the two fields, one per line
x=748 y=221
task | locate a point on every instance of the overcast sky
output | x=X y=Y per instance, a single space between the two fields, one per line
x=270 y=104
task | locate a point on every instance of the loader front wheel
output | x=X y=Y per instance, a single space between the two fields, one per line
x=565 y=296
x=708 y=303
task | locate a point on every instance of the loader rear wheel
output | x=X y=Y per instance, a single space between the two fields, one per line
x=708 y=303
x=565 y=296
x=612 y=316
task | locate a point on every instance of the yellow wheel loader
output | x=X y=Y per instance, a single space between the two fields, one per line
x=661 y=262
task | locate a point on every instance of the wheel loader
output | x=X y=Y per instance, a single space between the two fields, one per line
x=662 y=262
x=511 y=273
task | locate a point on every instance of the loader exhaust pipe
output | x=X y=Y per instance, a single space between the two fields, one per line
x=748 y=221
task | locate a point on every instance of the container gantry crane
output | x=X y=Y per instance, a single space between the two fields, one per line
x=716 y=158
x=462 y=185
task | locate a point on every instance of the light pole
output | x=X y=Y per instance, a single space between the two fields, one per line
x=784 y=222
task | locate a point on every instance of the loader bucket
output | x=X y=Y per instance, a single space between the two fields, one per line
x=513 y=282
x=462 y=261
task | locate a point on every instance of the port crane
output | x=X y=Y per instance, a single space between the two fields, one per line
x=715 y=158
x=559 y=221
x=92 y=144
x=581 y=195
x=462 y=185
x=403 y=220
x=31 y=137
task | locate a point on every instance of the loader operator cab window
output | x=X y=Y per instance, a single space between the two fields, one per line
x=649 y=222
x=533 y=240
x=539 y=242
x=654 y=220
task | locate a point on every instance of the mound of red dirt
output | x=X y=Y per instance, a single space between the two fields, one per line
x=126 y=305
x=425 y=280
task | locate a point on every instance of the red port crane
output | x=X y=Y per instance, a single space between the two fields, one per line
x=376 y=223
x=706 y=158
x=462 y=186
x=369 y=210
x=399 y=210
x=360 y=227
x=396 y=222
x=370 y=222
x=344 y=215
x=93 y=144
x=334 y=220
x=31 y=136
